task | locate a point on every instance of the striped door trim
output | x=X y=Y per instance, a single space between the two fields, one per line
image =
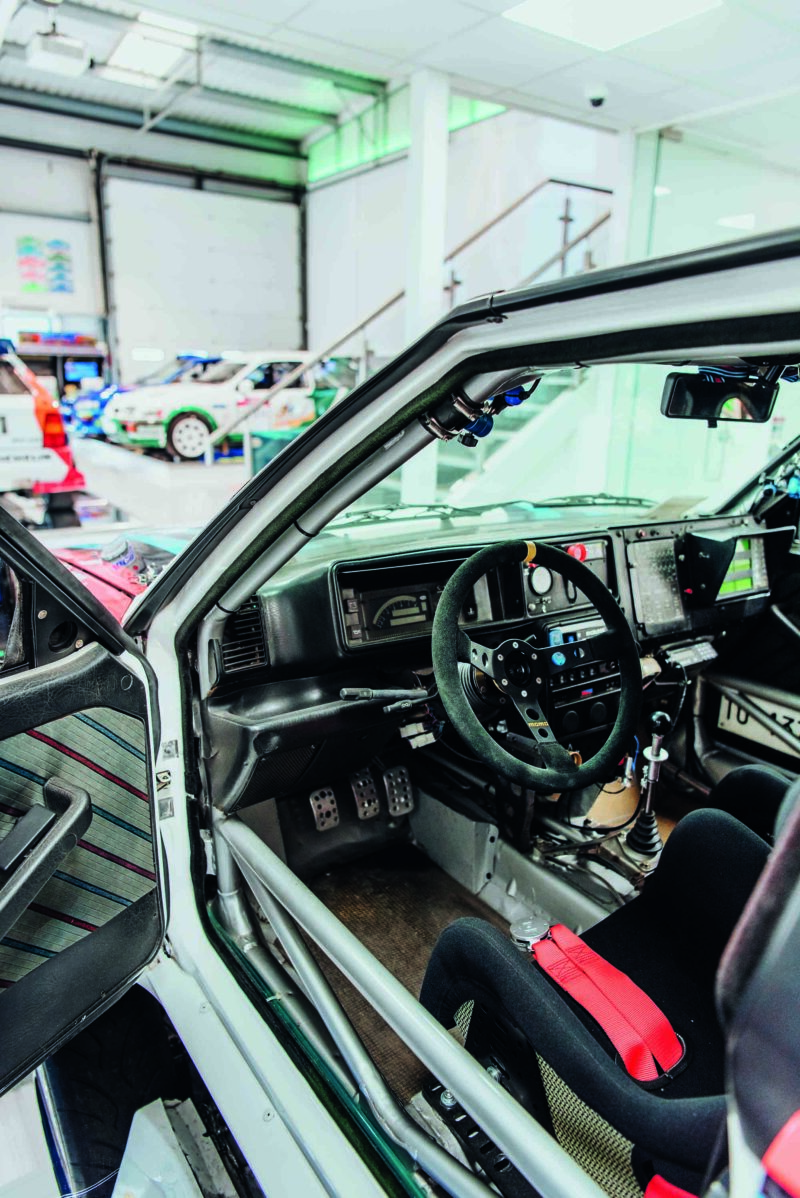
x=103 y=752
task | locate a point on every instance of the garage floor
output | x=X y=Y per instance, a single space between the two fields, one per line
x=154 y=492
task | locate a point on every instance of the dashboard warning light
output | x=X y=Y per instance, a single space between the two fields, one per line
x=578 y=552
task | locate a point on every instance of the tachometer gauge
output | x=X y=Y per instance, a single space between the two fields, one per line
x=540 y=580
x=401 y=610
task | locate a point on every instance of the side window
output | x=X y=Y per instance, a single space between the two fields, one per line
x=280 y=369
x=261 y=379
x=12 y=638
x=10 y=382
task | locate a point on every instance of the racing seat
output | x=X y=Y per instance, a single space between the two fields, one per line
x=669 y=941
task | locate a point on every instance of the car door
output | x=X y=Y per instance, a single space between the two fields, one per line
x=80 y=905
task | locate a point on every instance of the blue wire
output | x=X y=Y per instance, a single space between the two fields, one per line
x=636 y=756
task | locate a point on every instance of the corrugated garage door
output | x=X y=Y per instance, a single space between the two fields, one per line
x=200 y=270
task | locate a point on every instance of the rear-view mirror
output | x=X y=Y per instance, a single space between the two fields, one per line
x=703 y=397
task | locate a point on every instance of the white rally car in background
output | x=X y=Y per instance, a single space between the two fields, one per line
x=181 y=420
x=35 y=456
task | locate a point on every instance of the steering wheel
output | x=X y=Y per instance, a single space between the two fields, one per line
x=520 y=670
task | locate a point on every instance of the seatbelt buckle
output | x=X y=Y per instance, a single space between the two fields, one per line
x=525 y=933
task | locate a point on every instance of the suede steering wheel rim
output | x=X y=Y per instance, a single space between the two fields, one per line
x=519 y=670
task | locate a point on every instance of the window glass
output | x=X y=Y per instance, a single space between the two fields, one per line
x=10 y=383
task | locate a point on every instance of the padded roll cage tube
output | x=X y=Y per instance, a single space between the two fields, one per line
x=528 y=1146
x=516 y=667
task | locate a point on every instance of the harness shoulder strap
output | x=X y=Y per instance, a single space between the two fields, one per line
x=638 y=1029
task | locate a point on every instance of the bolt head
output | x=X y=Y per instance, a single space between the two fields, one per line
x=41 y=615
x=448 y=1099
x=499 y=656
x=79 y=643
x=494 y=1072
x=504 y=682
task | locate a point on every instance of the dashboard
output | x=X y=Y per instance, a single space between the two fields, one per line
x=330 y=623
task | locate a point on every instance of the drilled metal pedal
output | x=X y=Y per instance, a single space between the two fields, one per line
x=399 y=790
x=365 y=793
x=324 y=807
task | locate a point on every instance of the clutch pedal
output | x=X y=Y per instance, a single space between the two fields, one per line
x=365 y=793
x=325 y=808
x=399 y=790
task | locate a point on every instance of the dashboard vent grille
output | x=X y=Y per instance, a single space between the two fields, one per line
x=244 y=646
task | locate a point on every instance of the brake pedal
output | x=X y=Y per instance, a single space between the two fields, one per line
x=399 y=790
x=325 y=808
x=365 y=793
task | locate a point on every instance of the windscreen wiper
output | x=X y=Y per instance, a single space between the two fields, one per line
x=600 y=499
x=442 y=511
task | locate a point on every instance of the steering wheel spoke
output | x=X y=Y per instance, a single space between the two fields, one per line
x=520 y=671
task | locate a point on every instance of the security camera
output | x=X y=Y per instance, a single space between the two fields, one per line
x=596 y=94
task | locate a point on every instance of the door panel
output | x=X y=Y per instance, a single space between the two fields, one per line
x=77 y=719
x=101 y=751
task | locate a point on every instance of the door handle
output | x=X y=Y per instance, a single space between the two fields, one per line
x=37 y=844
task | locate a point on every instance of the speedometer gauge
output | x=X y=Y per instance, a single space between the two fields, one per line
x=401 y=610
x=540 y=580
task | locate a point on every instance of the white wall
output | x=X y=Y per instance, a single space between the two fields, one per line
x=47 y=198
x=356 y=226
x=191 y=269
x=200 y=270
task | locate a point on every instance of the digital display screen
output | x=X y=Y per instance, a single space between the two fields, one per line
x=742 y=570
x=76 y=370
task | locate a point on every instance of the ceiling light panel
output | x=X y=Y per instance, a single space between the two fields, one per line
x=608 y=25
x=153 y=46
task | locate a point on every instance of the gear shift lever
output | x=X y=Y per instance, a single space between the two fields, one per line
x=644 y=837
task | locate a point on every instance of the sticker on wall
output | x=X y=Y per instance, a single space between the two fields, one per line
x=45 y=266
x=59 y=266
x=31 y=264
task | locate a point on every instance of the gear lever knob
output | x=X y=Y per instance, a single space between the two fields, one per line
x=659 y=723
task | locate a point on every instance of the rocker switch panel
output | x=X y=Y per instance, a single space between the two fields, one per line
x=365 y=793
x=324 y=807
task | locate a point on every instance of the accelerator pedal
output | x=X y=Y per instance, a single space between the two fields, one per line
x=399 y=790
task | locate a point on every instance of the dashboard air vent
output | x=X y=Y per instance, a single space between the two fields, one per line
x=244 y=646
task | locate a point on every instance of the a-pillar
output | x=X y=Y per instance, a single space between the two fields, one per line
x=426 y=213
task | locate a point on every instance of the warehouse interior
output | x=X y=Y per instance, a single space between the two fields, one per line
x=219 y=217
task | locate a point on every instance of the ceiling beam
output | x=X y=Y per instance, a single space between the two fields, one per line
x=182 y=89
x=131 y=118
x=260 y=104
x=346 y=80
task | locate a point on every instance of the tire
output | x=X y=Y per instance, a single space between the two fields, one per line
x=123 y=1061
x=60 y=511
x=188 y=436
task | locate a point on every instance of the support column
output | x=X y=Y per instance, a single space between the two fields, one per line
x=426 y=212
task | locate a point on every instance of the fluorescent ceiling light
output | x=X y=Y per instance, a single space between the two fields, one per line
x=660 y=190
x=153 y=46
x=605 y=25
x=742 y=220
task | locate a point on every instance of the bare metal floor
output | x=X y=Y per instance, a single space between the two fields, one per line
x=397 y=903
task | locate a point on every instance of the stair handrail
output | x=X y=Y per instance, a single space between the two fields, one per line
x=294 y=376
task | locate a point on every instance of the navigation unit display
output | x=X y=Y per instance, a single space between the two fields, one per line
x=657 y=598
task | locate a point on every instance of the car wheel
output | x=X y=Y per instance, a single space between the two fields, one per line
x=188 y=436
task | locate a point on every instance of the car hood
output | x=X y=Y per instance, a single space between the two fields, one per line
x=116 y=568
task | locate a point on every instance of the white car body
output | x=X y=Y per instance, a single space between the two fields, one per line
x=144 y=416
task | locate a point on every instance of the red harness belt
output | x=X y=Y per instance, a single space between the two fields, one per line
x=640 y=1032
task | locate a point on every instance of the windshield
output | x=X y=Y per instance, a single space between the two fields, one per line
x=221 y=372
x=591 y=438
